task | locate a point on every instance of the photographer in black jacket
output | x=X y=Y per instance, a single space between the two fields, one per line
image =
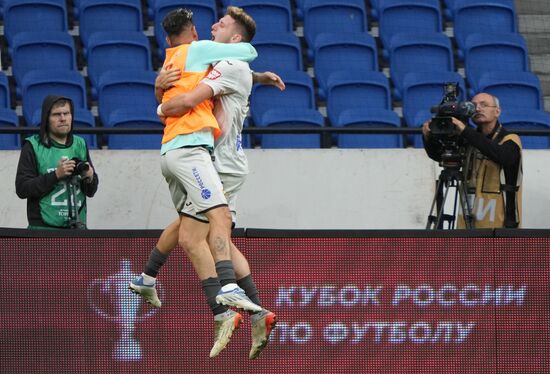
x=55 y=173
x=492 y=165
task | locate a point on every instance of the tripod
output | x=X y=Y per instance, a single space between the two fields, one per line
x=450 y=177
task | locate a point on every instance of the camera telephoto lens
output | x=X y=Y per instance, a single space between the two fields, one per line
x=80 y=166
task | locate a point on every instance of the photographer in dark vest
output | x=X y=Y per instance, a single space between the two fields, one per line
x=492 y=165
x=55 y=173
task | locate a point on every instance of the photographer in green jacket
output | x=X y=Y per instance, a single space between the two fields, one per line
x=55 y=173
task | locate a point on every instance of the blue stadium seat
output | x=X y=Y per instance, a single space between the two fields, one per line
x=270 y=15
x=34 y=16
x=299 y=9
x=337 y=16
x=526 y=119
x=8 y=118
x=150 y=8
x=83 y=118
x=418 y=53
x=277 y=51
x=5 y=96
x=375 y=8
x=299 y=93
x=449 y=9
x=289 y=117
x=37 y=84
x=115 y=51
x=519 y=89
x=126 y=98
x=139 y=119
x=493 y=52
x=124 y=91
x=482 y=16
x=408 y=16
x=204 y=16
x=422 y=91
x=246 y=139
x=76 y=8
x=365 y=118
x=269 y=106
x=351 y=95
x=42 y=50
x=348 y=89
x=335 y=52
x=106 y=15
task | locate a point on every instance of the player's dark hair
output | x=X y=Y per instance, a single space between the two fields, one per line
x=177 y=21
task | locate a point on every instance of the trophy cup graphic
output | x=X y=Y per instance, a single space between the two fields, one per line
x=110 y=299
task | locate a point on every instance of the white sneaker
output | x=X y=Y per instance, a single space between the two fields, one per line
x=149 y=293
x=234 y=296
x=223 y=330
x=261 y=329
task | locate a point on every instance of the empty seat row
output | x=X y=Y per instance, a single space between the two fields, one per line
x=106 y=51
x=125 y=99
x=430 y=52
x=364 y=102
x=51 y=15
x=406 y=16
x=407 y=52
x=482 y=17
x=394 y=16
x=33 y=16
x=354 y=100
x=270 y=107
x=126 y=15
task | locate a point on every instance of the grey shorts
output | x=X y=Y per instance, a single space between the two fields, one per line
x=232 y=184
x=192 y=179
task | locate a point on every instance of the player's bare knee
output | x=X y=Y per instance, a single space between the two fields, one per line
x=220 y=216
x=188 y=243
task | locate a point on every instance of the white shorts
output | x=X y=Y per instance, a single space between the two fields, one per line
x=192 y=179
x=232 y=184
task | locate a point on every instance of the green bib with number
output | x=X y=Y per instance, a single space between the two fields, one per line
x=54 y=207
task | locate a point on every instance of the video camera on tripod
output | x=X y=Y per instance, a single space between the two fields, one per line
x=453 y=152
x=443 y=129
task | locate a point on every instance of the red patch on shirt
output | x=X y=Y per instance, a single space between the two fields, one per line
x=214 y=74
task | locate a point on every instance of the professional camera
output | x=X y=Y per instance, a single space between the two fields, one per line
x=442 y=123
x=81 y=167
x=443 y=129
